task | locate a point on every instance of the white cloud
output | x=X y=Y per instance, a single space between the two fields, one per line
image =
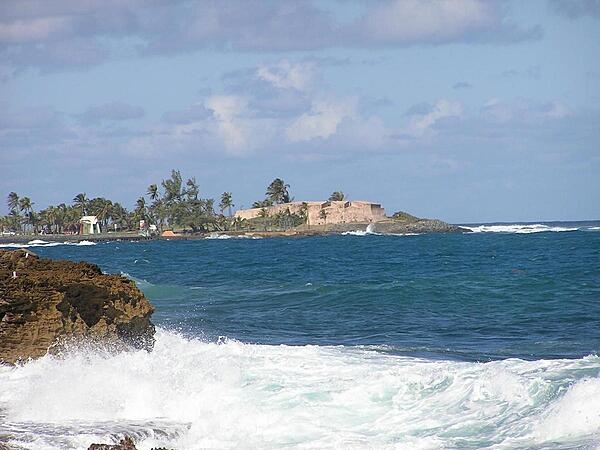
x=38 y=33
x=31 y=30
x=321 y=121
x=523 y=111
x=557 y=110
x=226 y=110
x=286 y=75
x=419 y=125
x=412 y=21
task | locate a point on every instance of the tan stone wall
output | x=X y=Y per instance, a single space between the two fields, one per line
x=337 y=212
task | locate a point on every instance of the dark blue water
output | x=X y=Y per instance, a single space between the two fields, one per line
x=471 y=297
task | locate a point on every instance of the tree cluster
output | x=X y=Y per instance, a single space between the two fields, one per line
x=172 y=203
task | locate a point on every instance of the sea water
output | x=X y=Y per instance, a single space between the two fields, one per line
x=480 y=340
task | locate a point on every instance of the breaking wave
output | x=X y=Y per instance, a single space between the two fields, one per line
x=41 y=243
x=190 y=394
x=519 y=228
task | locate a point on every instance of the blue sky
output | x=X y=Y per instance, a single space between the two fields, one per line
x=464 y=110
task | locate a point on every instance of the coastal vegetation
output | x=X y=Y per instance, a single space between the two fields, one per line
x=173 y=203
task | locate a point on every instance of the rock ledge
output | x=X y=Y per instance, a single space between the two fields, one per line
x=45 y=304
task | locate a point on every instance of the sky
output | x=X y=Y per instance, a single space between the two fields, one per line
x=463 y=110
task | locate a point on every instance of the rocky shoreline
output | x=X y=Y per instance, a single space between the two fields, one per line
x=46 y=305
x=387 y=226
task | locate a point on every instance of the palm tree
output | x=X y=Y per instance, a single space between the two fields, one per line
x=26 y=207
x=278 y=191
x=173 y=187
x=153 y=192
x=100 y=207
x=337 y=196
x=81 y=201
x=49 y=218
x=12 y=201
x=25 y=204
x=226 y=202
x=140 y=208
x=61 y=218
x=192 y=190
x=14 y=219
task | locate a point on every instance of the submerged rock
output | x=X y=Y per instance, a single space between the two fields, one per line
x=45 y=304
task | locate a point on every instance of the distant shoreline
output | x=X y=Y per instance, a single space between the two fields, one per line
x=386 y=227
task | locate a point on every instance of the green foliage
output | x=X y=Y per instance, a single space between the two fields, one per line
x=404 y=216
x=12 y=201
x=337 y=196
x=286 y=219
x=277 y=191
x=226 y=202
x=262 y=203
x=178 y=205
x=81 y=201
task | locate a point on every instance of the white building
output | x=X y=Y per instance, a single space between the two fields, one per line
x=89 y=225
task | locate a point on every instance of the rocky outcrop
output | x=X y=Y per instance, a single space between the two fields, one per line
x=394 y=226
x=417 y=226
x=45 y=304
x=124 y=444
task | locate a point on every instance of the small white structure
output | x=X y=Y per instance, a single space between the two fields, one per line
x=89 y=225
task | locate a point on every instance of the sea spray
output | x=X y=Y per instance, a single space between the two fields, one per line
x=193 y=394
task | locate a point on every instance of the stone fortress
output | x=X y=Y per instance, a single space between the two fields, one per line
x=323 y=213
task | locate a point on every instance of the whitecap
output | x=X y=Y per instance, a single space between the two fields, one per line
x=85 y=243
x=368 y=231
x=189 y=393
x=217 y=236
x=518 y=228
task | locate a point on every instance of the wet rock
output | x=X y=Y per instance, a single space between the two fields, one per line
x=46 y=304
x=124 y=444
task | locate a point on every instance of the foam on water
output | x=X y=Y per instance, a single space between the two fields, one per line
x=518 y=228
x=367 y=231
x=41 y=243
x=217 y=236
x=85 y=243
x=190 y=394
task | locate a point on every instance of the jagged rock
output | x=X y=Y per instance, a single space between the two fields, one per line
x=124 y=444
x=45 y=304
x=417 y=226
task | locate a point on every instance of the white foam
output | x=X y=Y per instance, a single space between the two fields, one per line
x=190 y=394
x=41 y=243
x=217 y=236
x=367 y=231
x=14 y=245
x=575 y=414
x=38 y=242
x=518 y=228
x=85 y=243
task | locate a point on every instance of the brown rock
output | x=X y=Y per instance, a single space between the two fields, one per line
x=125 y=444
x=45 y=304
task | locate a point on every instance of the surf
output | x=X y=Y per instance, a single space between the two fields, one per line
x=189 y=393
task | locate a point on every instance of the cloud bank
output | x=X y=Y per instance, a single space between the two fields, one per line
x=64 y=34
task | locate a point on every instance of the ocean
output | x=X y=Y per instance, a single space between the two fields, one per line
x=487 y=339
